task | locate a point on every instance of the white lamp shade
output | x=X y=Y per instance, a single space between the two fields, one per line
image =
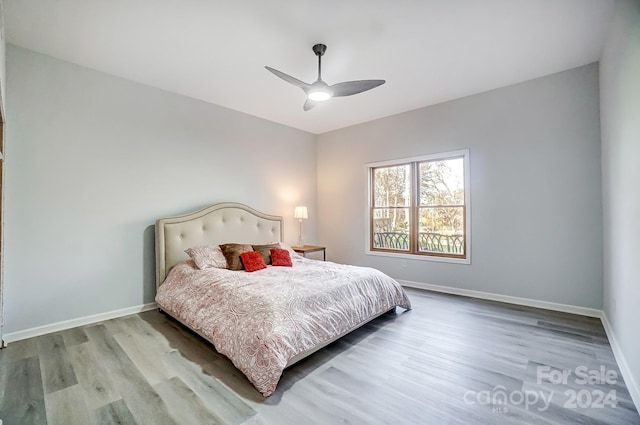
x=300 y=212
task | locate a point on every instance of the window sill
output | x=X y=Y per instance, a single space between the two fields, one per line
x=420 y=257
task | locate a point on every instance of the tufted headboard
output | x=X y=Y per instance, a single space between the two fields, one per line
x=214 y=225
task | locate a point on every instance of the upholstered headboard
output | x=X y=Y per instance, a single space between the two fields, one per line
x=214 y=225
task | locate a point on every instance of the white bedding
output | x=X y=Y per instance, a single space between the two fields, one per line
x=263 y=319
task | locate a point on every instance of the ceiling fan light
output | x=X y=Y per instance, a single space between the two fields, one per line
x=319 y=95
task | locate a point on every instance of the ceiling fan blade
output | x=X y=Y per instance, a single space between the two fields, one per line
x=354 y=87
x=288 y=78
x=309 y=104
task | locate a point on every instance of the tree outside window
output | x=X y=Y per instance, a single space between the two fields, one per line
x=419 y=206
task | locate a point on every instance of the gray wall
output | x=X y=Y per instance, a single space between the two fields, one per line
x=3 y=76
x=536 y=215
x=93 y=160
x=3 y=83
x=620 y=117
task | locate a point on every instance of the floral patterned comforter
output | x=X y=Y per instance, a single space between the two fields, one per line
x=261 y=320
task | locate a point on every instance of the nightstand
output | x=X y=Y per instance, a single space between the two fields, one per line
x=305 y=249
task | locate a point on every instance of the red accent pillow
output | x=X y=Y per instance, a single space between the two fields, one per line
x=280 y=257
x=252 y=261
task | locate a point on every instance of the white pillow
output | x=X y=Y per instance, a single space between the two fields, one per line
x=292 y=253
x=207 y=256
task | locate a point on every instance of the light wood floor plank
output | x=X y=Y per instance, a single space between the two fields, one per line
x=145 y=404
x=20 y=350
x=23 y=401
x=145 y=347
x=185 y=406
x=57 y=372
x=116 y=413
x=311 y=406
x=92 y=376
x=146 y=357
x=111 y=354
x=74 y=336
x=425 y=366
x=218 y=398
x=68 y=406
x=330 y=403
x=232 y=378
x=112 y=326
x=4 y=366
x=191 y=346
x=143 y=401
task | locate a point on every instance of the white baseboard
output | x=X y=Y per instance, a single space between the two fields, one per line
x=632 y=384
x=80 y=321
x=547 y=305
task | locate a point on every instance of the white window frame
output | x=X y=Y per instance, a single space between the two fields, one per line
x=464 y=153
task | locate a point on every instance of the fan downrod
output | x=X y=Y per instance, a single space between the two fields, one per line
x=319 y=49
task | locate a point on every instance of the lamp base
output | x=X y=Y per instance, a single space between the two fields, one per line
x=300 y=242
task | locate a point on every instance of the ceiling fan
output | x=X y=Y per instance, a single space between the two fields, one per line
x=321 y=91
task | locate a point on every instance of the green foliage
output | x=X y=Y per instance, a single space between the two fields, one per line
x=440 y=191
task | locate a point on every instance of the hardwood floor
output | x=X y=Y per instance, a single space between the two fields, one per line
x=447 y=361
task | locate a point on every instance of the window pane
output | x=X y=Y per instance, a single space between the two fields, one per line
x=442 y=182
x=392 y=186
x=419 y=207
x=391 y=228
x=441 y=230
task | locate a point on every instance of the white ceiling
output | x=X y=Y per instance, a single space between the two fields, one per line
x=429 y=51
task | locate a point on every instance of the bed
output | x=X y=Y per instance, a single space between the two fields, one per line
x=269 y=319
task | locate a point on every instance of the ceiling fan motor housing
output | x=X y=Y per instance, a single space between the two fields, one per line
x=319 y=49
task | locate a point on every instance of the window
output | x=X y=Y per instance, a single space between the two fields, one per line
x=420 y=207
